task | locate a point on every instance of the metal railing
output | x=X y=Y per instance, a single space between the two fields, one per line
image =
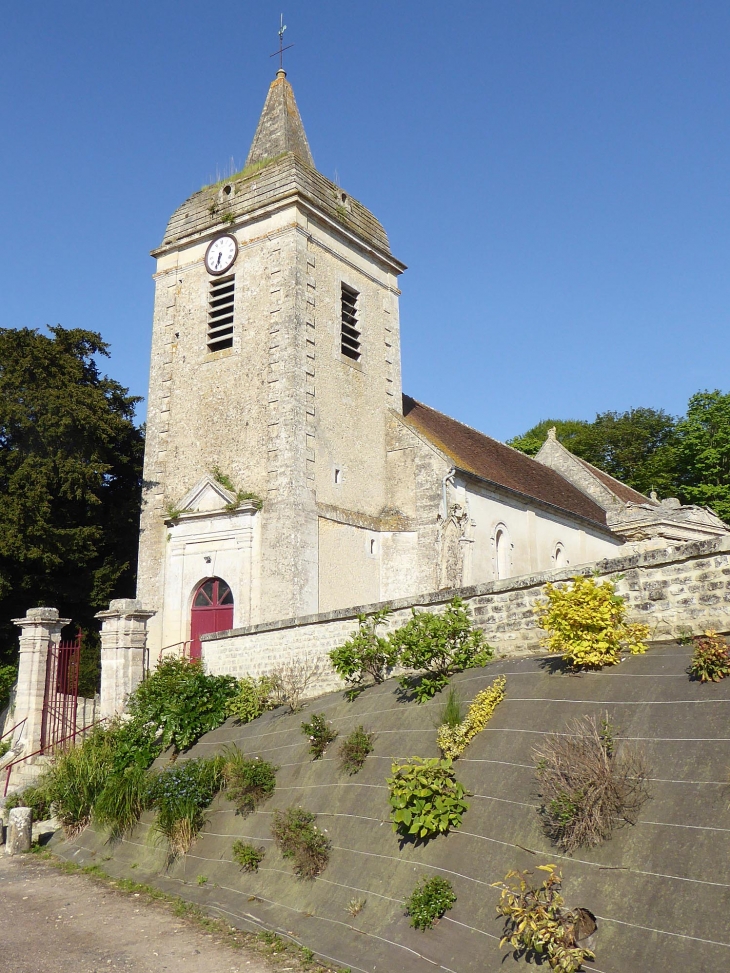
x=182 y=653
x=43 y=751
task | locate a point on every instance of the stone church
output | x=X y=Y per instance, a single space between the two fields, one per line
x=286 y=473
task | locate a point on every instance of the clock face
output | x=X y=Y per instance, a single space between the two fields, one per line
x=221 y=254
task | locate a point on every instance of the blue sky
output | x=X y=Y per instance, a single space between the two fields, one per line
x=554 y=174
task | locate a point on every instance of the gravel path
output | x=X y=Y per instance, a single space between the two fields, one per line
x=52 y=922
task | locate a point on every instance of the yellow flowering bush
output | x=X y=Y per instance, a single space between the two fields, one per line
x=586 y=622
x=453 y=740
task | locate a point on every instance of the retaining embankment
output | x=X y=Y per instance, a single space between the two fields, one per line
x=660 y=889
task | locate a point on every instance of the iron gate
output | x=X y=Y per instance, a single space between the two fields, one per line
x=61 y=694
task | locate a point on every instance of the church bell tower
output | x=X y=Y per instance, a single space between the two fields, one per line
x=275 y=363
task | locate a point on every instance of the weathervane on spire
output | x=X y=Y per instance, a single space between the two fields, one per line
x=280 y=52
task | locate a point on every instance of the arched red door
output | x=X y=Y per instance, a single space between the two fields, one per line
x=212 y=611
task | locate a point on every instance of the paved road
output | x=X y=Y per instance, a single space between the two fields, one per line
x=52 y=922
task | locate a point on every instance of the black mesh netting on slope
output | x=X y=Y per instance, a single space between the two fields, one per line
x=660 y=890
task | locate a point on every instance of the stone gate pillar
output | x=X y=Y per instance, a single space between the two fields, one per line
x=123 y=650
x=39 y=627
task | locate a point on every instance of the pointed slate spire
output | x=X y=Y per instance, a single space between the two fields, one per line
x=280 y=128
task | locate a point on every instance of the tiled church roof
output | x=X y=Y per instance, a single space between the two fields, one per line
x=619 y=489
x=491 y=460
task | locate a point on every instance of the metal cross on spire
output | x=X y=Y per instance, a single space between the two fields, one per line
x=280 y=52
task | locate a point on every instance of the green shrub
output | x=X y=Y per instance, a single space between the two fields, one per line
x=248 y=781
x=76 y=777
x=35 y=797
x=429 y=901
x=253 y=697
x=453 y=740
x=180 y=794
x=536 y=924
x=182 y=702
x=320 y=735
x=122 y=799
x=451 y=713
x=8 y=678
x=438 y=645
x=365 y=653
x=586 y=622
x=5 y=746
x=248 y=856
x=426 y=799
x=354 y=750
x=298 y=837
x=711 y=658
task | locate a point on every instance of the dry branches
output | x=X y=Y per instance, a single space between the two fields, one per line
x=587 y=784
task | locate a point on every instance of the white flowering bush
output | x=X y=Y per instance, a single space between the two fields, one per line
x=180 y=795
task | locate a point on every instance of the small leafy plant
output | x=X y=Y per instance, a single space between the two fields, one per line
x=452 y=712
x=320 y=735
x=365 y=653
x=588 y=786
x=354 y=750
x=586 y=622
x=437 y=646
x=253 y=697
x=298 y=837
x=453 y=740
x=536 y=924
x=355 y=906
x=429 y=901
x=425 y=798
x=34 y=797
x=180 y=794
x=711 y=658
x=248 y=856
x=249 y=782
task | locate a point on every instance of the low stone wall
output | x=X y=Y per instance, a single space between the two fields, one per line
x=674 y=590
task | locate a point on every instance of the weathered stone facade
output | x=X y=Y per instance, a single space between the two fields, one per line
x=675 y=591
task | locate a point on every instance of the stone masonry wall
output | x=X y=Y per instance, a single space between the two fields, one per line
x=680 y=589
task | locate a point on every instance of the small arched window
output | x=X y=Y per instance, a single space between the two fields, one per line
x=559 y=556
x=502 y=549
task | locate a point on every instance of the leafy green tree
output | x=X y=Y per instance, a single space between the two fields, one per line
x=70 y=482
x=637 y=446
x=703 y=447
x=568 y=431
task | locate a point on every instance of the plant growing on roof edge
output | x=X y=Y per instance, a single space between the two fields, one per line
x=437 y=646
x=355 y=749
x=365 y=653
x=298 y=837
x=586 y=622
x=588 y=784
x=711 y=658
x=429 y=901
x=537 y=925
x=453 y=740
x=320 y=735
x=240 y=495
x=425 y=798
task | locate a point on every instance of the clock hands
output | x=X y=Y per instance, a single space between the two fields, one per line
x=218 y=261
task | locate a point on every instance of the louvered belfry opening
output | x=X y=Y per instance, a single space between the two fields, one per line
x=350 y=335
x=220 y=313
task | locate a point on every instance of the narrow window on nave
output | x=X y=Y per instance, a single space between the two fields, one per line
x=220 y=313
